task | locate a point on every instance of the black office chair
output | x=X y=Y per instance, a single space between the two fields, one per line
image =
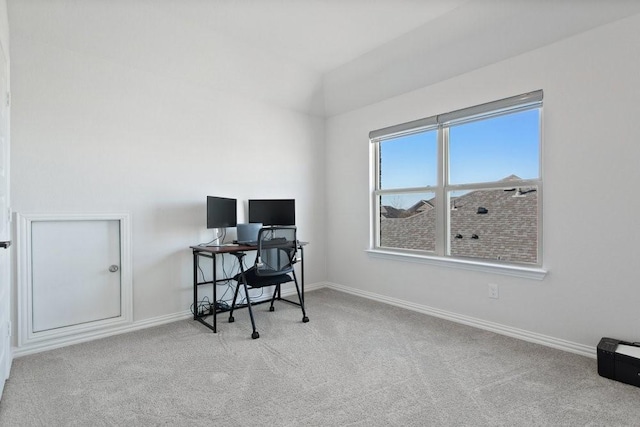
x=275 y=259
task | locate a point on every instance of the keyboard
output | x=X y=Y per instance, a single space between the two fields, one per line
x=270 y=242
x=248 y=243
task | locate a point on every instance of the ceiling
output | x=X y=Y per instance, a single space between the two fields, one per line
x=320 y=35
x=326 y=34
x=205 y=41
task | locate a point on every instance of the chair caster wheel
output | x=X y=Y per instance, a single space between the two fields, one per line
x=305 y=319
x=272 y=309
x=231 y=319
x=255 y=335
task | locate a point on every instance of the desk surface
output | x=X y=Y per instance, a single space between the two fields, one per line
x=230 y=248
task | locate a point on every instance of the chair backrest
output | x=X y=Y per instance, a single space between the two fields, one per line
x=277 y=247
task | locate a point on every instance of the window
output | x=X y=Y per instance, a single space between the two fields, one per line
x=465 y=184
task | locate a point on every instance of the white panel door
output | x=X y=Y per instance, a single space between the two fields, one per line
x=5 y=218
x=75 y=272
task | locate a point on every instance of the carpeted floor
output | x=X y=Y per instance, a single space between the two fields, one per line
x=357 y=362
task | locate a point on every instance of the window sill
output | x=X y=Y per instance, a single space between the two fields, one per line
x=463 y=264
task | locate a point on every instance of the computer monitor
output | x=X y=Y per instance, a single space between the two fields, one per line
x=273 y=211
x=221 y=212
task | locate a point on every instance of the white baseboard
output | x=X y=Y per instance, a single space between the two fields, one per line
x=522 y=334
x=77 y=339
x=32 y=348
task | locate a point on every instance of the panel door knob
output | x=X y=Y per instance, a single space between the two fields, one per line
x=114 y=268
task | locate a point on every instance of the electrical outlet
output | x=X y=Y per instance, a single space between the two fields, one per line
x=493 y=291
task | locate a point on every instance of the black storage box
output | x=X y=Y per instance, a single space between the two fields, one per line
x=615 y=362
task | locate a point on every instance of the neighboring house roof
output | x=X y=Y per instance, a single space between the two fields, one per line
x=507 y=231
x=420 y=206
x=391 y=212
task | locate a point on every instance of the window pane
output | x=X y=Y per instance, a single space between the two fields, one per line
x=495 y=224
x=409 y=161
x=408 y=221
x=494 y=149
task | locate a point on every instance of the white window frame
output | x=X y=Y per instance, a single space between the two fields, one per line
x=442 y=123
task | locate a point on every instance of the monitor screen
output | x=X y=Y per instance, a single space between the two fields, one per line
x=221 y=212
x=273 y=211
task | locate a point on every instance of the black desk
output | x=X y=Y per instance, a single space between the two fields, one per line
x=212 y=252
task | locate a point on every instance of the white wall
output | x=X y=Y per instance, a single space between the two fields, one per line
x=105 y=122
x=4 y=28
x=107 y=117
x=591 y=175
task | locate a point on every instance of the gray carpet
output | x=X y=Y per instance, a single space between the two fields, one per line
x=357 y=362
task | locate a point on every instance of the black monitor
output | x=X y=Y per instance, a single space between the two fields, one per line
x=221 y=212
x=273 y=211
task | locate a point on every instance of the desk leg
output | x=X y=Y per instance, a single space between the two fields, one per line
x=195 y=285
x=215 y=296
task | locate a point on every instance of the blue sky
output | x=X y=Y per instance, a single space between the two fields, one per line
x=482 y=151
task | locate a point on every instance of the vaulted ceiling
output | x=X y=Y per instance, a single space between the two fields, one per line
x=200 y=39
x=319 y=34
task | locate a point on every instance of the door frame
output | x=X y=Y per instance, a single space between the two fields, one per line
x=6 y=264
x=29 y=340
